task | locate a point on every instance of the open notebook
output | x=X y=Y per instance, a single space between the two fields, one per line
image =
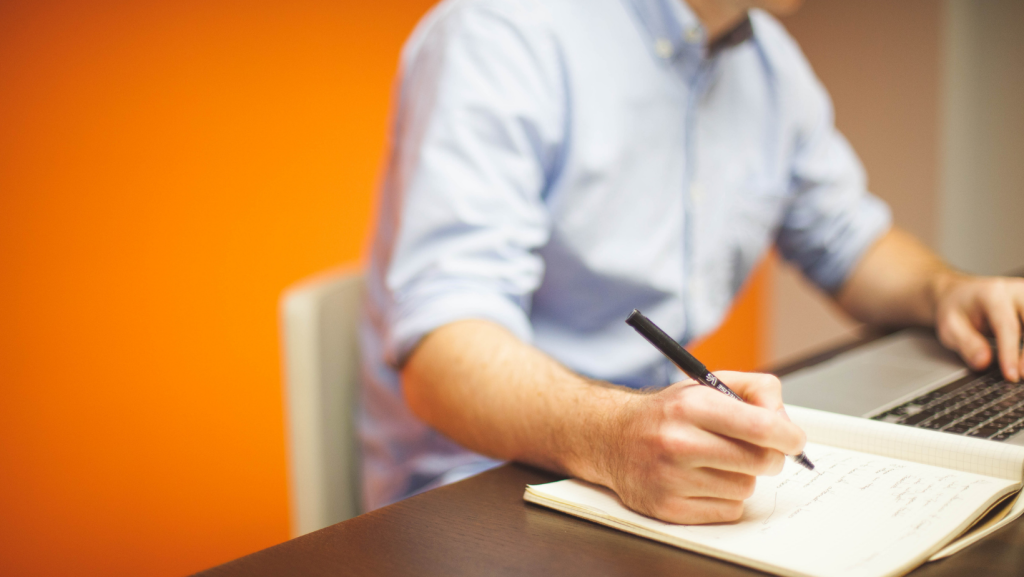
x=882 y=499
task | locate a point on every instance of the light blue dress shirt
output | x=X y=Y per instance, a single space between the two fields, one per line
x=557 y=163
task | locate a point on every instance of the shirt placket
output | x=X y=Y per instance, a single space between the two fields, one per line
x=697 y=76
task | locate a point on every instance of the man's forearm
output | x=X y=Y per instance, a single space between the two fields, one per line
x=490 y=392
x=684 y=454
x=898 y=282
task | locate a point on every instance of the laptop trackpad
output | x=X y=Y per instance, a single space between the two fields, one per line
x=875 y=376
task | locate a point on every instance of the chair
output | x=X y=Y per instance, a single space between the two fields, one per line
x=321 y=372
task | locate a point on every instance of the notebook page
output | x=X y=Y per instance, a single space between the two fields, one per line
x=908 y=443
x=1016 y=509
x=857 y=515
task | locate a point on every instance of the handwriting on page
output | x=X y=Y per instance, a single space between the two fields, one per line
x=853 y=511
x=856 y=514
x=860 y=476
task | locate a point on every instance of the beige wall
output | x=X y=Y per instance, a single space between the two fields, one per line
x=881 y=62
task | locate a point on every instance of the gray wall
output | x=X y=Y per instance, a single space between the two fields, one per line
x=981 y=214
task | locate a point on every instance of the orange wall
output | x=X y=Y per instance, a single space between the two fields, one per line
x=166 y=169
x=739 y=344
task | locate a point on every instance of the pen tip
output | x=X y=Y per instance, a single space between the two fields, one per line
x=802 y=460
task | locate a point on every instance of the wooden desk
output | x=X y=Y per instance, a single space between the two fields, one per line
x=482 y=526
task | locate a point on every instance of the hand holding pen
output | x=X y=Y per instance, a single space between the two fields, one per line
x=690 y=365
x=688 y=454
x=684 y=453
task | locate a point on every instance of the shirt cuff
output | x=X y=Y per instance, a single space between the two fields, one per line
x=872 y=220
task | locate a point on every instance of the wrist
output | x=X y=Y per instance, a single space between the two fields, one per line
x=604 y=434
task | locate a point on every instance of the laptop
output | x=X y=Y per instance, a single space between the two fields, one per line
x=909 y=378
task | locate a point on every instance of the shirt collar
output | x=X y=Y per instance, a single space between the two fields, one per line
x=674 y=27
x=739 y=34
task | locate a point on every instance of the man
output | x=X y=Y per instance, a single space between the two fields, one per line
x=557 y=163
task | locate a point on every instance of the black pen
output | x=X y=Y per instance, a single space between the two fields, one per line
x=689 y=364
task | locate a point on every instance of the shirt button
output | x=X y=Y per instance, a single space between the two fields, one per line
x=663 y=47
x=696 y=193
x=693 y=34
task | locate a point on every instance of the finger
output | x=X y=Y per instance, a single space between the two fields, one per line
x=746 y=459
x=704 y=449
x=697 y=510
x=745 y=422
x=1003 y=318
x=957 y=333
x=760 y=389
x=1017 y=294
x=708 y=482
x=1019 y=305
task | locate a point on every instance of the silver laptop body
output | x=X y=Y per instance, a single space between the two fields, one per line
x=910 y=378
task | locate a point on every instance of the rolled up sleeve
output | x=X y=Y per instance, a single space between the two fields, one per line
x=833 y=219
x=477 y=138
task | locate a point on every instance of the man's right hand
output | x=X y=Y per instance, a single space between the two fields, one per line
x=685 y=454
x=689 y=454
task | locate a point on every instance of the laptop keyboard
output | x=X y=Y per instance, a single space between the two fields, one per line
x=983 y=406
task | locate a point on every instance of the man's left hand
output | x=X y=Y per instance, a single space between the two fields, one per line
x=900 y=282
x=967 y=307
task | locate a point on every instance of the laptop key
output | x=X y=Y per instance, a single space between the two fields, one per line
x=958 y=428
x=971 y=422
x=942 y=421
x=915 y=419
x=984 y=432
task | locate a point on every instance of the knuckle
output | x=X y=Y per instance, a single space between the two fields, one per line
x=746 y=486
x=688 y=403
x=762 y=461
x=993 y=289
x=771 y=382
x=674 y=445
x=674 y=406
x=662 y=441
x=765 y=384
x=702 y=403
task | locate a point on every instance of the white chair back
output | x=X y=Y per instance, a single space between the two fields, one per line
x=321 y=370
